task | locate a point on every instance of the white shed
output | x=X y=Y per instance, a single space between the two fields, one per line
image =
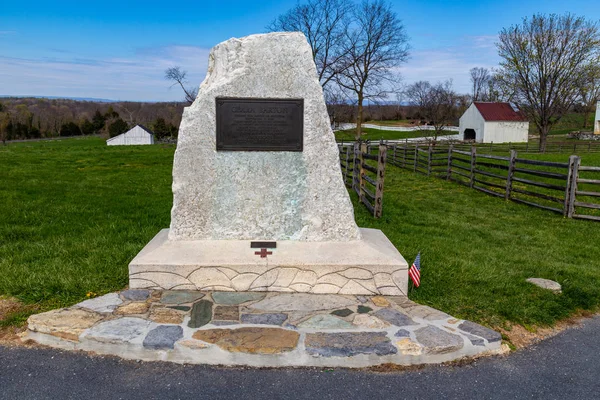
x=494 y=122
x=135 y=136
x=597 y=120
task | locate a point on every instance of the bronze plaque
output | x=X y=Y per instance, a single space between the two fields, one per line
x=266 y=245
x=251 y=124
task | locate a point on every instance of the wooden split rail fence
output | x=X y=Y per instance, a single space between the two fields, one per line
x=363 y=170
x=569 y=188
x=573 y=146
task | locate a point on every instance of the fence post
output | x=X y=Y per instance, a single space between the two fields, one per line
x=473 y=164
x=364 y=148
x=449 y=173
x=341 y=158
x=404 y=156
x=355 y=168
x=416 y=156
x=511 y=173
x=347 y=170
x=395 y=145
x=429 y=160
x=571 y=189
x=380 y=178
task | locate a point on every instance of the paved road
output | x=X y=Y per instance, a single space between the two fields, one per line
x=564 y=367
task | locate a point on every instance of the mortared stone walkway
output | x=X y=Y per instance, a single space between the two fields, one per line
x=262 y=329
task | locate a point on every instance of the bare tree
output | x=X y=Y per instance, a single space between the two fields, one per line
x=438 y=103
x=336 y=101
x=324 y=23
x=589 y=90
x=542 y=58
x=374 y=48
x=480 y=80
x=177 y=76
x=131 y=109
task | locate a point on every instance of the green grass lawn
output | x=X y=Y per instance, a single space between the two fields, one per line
x=378 y=134
x=477 y=251
x=391 y=122
x=75 y=212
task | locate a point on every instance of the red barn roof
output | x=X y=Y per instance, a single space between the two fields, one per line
x=499 y=112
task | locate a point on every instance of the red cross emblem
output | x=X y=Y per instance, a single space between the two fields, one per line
x=263 y=253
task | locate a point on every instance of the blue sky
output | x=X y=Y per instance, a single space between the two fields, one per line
x=119 y=50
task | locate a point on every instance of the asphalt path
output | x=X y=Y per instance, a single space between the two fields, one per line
x=566 y=366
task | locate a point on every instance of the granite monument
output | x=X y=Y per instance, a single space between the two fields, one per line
x=259 y=203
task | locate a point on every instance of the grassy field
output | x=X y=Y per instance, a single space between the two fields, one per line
x=477 y=250
x=378 y=134
x=75 y=212
x=392 y=122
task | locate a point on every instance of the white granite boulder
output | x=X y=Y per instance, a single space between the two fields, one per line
x=258 y=195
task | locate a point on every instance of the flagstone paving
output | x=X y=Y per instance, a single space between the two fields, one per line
x=122 y=330
x=103 y=304
x=233 y=298
x=251 y=340
x=163 y=337
x=264 y=319
x=263 y=329
x=180 y=297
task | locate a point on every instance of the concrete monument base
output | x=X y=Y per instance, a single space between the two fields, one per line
x=368 y=266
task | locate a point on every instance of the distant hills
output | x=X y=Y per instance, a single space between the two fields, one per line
x=4 y=96
x=96 y=100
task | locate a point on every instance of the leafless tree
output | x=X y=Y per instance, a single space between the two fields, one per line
x=374 y=47
x=480 y=80
x=324 y=23
x=437 y=103
x=178 y=77
x=132 y=109
x=542 y=59
x=589 y=90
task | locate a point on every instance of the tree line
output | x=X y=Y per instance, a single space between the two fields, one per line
x=32 y=118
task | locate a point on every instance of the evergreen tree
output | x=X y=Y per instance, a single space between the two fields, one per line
x=98 y=121
x=117 y=127
x=70 y=129
x=87 y=127
x=160 y=128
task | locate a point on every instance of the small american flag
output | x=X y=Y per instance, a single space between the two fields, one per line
x=415 y=271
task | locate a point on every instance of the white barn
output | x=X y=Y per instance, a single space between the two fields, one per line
x=597 y=120
x=493 y=122
x=135 y=136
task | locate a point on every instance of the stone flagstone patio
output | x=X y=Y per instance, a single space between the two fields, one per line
x=262 y=329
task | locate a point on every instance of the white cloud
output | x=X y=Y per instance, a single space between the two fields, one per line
x=452 y=62
x=140 y=77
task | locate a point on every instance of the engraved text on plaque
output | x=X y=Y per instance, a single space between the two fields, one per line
x=254 y=124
